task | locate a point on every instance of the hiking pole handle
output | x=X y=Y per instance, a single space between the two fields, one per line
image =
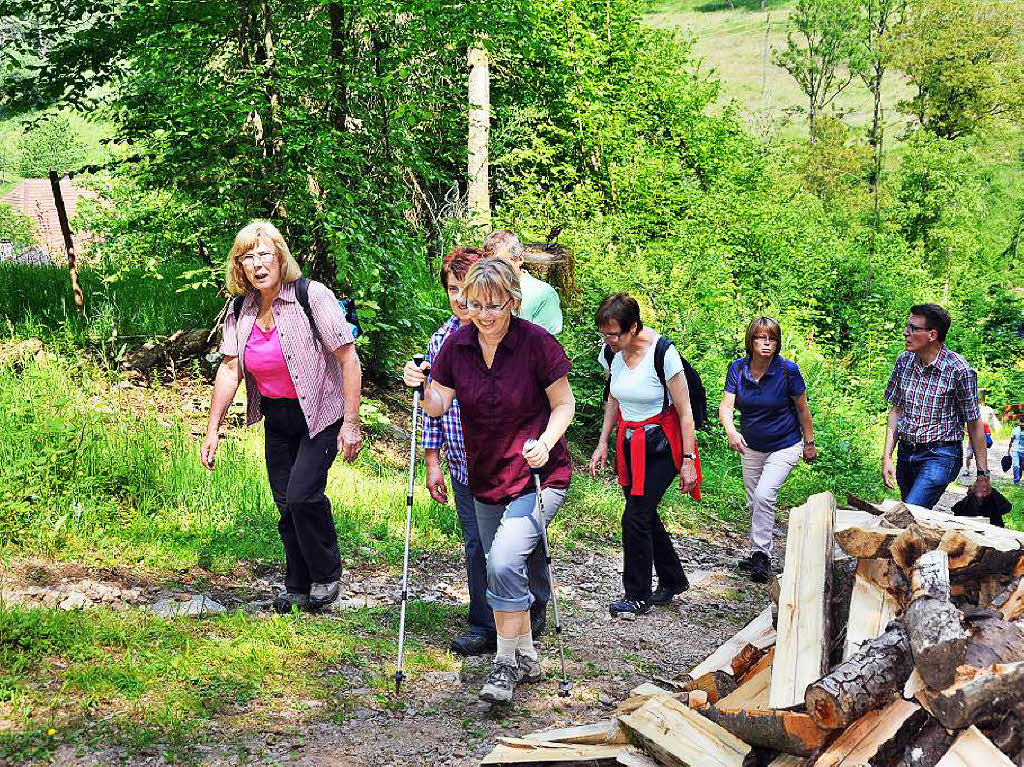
x=526 y=446
x=418 y=360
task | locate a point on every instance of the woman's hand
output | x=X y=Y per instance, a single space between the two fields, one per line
x=688 y=475
x=208 y=450
x=810 y=452
x=350 y=440
x=413 y=376
x=600 y=458
x=536 y=455
x=736 y=441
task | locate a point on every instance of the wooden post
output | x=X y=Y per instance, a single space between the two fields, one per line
x=69 y=245
x=479 y=134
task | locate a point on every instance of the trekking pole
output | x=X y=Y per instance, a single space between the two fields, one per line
x=399 y=676
x=565 y=685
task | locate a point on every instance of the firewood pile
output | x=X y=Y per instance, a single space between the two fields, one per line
x=896 y=637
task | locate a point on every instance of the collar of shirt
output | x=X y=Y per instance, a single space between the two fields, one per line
x=942 y=359
x=252 y=297
x=510 y=341
x=773 y=368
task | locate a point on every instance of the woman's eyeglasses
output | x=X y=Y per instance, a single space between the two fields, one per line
x=250 y=259
x=478 y=308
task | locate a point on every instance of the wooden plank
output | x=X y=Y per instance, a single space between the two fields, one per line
x=879 y=730
x=605 y=732
x=566 y=755
x=788 y=732
x=973 y=749
x=855 y=518
x=631 y=704
x=801 y=648
x=867 y=542
x=753 y=688
x=871 y=605
x=759 y=633
x=677 y=736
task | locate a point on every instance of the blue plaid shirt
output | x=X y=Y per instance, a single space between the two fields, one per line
x=447 y=429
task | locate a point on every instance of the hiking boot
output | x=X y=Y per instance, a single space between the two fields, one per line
x=529 y=668
x=474 y=643
x=286 y=600
x=632 y=607
x=761 y=567
x=322 y=594
x=663 y=595
x=502 y=681
x=746 y=564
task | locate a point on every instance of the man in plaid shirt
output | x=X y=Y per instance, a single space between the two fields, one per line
x=932 y=394
x=447 y=431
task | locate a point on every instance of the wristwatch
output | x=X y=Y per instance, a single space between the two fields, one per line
x=691 y=456
x=984 y=473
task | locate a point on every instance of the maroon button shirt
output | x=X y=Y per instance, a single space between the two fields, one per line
x=504 y=406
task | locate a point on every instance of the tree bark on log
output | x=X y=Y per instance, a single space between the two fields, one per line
x=867 y=679
x=994 y=689
x=991 y=640
x=898 y=516
x=938 y=641
x=912 y=543
x=930 y=745
x=1010 y=602
x=973 y=554
x=785 y=731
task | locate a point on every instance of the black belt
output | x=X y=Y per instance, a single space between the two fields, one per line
x=916 y=447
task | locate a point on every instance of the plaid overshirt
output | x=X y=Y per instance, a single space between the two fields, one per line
x=937 y=399
x=447 y=429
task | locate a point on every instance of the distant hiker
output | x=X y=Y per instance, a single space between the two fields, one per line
x=1016 y=453
x=289 y=339
x=447 y=431
x=540 y=301
x=991 y=424
x=510 y=379
x=655 y=442
x=775 y=431
x=932 y=393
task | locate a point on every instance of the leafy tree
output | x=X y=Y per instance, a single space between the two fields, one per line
x=966 y=60
x=52 y=144
x=823 y=51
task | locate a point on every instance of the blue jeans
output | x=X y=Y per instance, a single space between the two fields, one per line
x=481 y=618
x=1016 y=456
x=923 y=475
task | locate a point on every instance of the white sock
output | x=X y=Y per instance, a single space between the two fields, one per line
x=507 y=647
x=525 y=645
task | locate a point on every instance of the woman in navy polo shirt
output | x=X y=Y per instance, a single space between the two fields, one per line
x=775 y=431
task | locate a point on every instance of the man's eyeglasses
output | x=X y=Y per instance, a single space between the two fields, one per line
x=250 y=259
x=910 y=327
x=478 y=308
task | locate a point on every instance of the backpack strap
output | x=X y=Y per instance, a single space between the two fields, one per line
x=609 y=355
x=302 y=296
x=660 y=350
x=236 y=306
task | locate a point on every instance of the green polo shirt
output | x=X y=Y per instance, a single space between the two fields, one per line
x=540 y=304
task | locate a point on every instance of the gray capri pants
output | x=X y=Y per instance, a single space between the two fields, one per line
x=509 y=534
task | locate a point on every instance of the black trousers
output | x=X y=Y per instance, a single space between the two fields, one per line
x=297 y=468
x=645 y=541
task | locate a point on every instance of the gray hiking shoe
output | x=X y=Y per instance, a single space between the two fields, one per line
x=529 y=668
x=322 y=594
x=501 y=683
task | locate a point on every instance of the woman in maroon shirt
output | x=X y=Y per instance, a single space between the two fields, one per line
x=301 y=372
x=510 y=379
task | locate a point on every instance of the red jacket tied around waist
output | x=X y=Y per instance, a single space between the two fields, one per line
x=633 y=473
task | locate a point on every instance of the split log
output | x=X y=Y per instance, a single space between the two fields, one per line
x=1010 y=602
x=759 y=633
x=697 y=699
x=1007 y=735
x=980 y=693
x=938 y=641
x=852 y=518
x=898 y=516
x=844 y=577
x=715 y=684
x=940 y=522
x=518 y=751
x=931 y=743
x=603 y=733
x=785 y=731
x=632 y=757
x=753 y=688
x=648 y=689
x=991 y=640
x=631 y=704
x=869 y=678
x=972 y=749
x=677 y=736
x=973 y=554
x=867 y=542
x=872 y=607
x=857 y=503
x=912 y=543
x=878 y=737
x=801 y=649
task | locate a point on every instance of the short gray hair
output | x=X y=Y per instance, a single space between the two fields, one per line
x=493 y=277
x=504 y=243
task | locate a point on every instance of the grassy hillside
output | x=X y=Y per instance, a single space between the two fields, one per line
x=730 y=39
x=90 y=130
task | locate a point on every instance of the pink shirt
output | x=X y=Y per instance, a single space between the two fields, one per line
x=314 y=371
x=265 y=360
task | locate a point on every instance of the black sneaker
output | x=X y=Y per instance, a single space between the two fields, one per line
x=632 y=606
x=286 y=600
x=663 y=595
x=502 y=681
x=474 y=643
x=761 y=570
x=746 y=564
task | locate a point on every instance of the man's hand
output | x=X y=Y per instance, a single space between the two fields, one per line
x=600 y=458
x=982 y=488
x=350 y=440
x=888 y=472
x=435 y=484
x=687 y=475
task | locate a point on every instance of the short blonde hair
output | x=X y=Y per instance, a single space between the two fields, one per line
x=493 y=277
x=246 y=240
x=771 y=326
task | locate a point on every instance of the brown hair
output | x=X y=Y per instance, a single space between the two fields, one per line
x=246 y=240
x=938 y=319
x=623 y=309
x=493 y=277
x=771 y=325
x=457 y=263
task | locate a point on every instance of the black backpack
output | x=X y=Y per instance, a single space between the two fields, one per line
x=302 y=294
x=698 y=396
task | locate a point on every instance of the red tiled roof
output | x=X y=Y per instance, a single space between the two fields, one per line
x=34 y=198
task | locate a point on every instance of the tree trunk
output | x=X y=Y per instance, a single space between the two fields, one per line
x=937 y=640
x=340 y=32
x=479 y=134
x=867 y=679
x=69 y=243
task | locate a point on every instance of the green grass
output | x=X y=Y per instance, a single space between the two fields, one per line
x=129 y=679
x=94 y=133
